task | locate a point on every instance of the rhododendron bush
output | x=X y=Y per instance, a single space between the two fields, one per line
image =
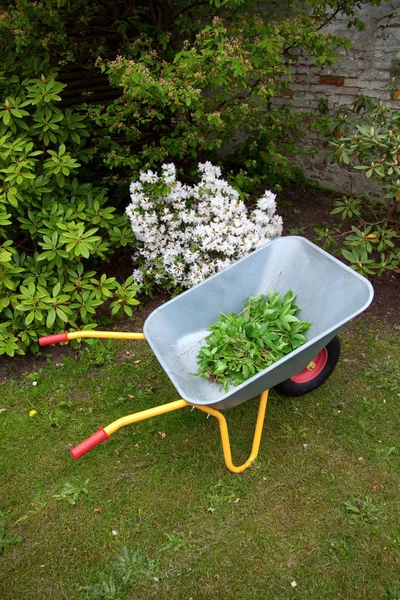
x=187 y=233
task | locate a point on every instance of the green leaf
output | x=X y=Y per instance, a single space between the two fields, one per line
x=51 y=317
x=29 y=318
x=61 y=314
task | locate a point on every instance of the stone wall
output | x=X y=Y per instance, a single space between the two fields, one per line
x=365 y=69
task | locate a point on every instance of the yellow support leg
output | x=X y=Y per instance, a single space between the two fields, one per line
x=226 y=446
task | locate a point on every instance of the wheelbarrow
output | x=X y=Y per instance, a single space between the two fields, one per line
x=329 y=293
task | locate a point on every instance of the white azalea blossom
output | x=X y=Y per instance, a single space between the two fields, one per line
x=185 y=233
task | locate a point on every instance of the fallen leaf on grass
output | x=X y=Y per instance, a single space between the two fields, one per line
x=99 y=509
x=136 y=362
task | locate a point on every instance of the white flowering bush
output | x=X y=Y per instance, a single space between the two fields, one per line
x=187 y=233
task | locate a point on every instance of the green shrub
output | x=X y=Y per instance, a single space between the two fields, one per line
x=198 y=80
x=187 y=91
x=367 y=138
x=51 y=222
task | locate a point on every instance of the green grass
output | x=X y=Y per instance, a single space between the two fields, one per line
x=153 y=512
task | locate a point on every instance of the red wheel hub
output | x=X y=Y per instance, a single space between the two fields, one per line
x=313 y=368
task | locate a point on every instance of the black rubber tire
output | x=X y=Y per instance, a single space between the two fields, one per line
x=291 y=389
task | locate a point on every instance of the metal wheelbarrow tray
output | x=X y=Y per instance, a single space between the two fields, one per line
x=328 y=293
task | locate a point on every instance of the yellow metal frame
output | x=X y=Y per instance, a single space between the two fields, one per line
x=107 y=335
x=226 y=446
x=178 y=404
x=223 y=426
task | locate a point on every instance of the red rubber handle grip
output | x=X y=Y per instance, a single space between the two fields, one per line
x=89 y=443
x=53 y=339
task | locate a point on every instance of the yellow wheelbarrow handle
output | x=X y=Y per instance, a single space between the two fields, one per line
x=104 y=433
x=74 y=335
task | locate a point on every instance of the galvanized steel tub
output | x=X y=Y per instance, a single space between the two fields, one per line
x=329 y=293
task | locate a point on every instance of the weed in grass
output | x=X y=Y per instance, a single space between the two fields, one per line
x=385 y=375
x=392 y=592
x=175 y=542
x=131 y=564
x=38 y=504
x=290 y=433
x=218 y=495
x=144 y=519
x=6 y=539
x=395 y=541
x=98 y=353
x=362 y=510
x=340 y=547
x=35 y=375
x=106 y=589
x=72 y=492
x=128 y=568
x=57 y=415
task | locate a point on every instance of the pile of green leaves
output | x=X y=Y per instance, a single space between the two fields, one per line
x=241 y=345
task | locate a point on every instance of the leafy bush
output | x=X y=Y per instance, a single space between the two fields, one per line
x=198 y=82
x=371 y=246
x=187 y=233
x=184 y=100
x=194 y=77
x=368 y=139
x=242 y=345
x=50 y=222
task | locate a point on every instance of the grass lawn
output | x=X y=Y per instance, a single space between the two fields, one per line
x=153 y=512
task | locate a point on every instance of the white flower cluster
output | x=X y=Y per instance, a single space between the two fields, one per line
x=187 y=233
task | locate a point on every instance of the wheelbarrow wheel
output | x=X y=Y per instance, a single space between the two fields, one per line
x=315 y=374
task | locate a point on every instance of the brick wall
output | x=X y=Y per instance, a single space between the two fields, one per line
x=365 y=69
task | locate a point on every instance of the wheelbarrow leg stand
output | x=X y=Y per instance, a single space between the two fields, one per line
x=103 y=434
x=226 y=446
